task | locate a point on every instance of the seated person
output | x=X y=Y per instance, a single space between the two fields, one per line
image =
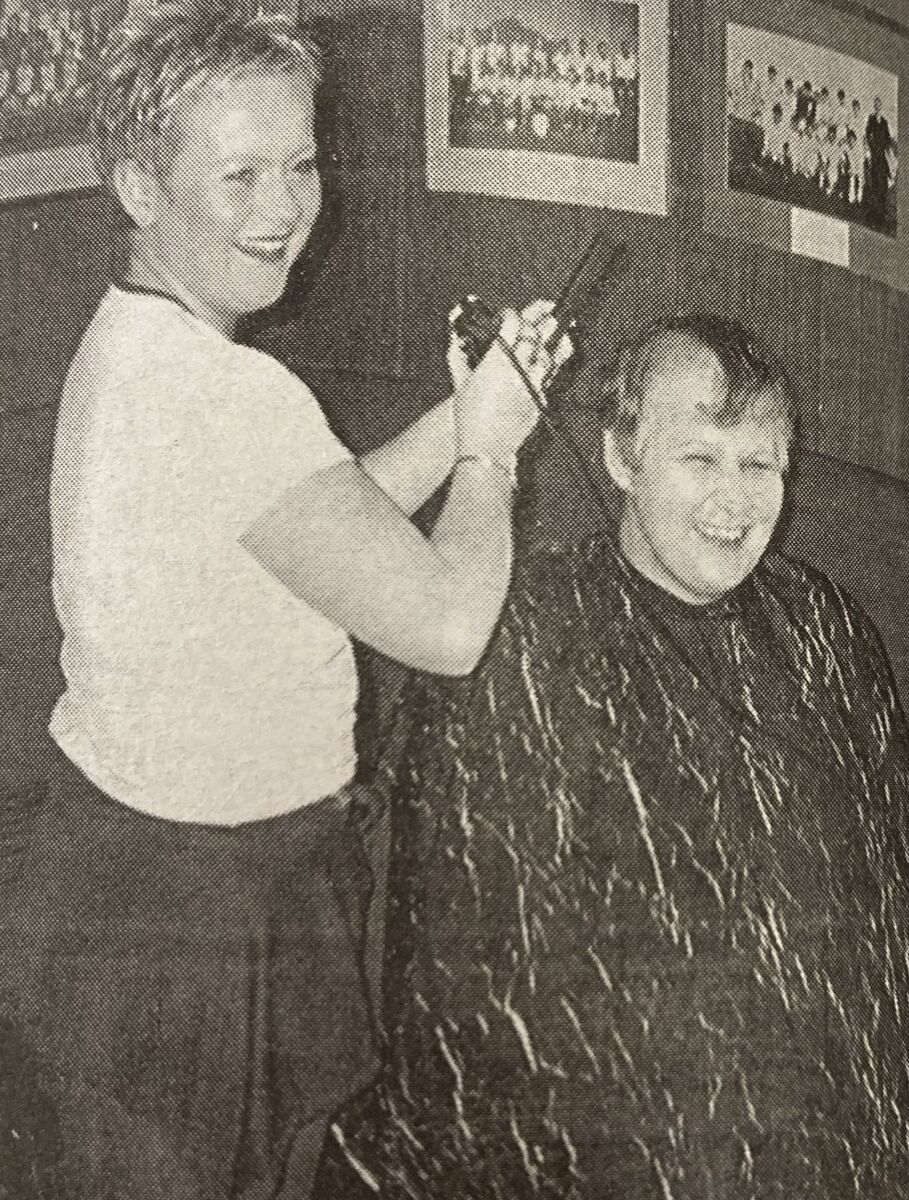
x=649 y=936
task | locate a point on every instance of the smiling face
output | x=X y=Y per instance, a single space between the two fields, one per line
x=701 y=501
x=232 y=209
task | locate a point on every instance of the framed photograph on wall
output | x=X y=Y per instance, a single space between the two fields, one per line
x=48 y=55
x=804 y=126
x=548 y=101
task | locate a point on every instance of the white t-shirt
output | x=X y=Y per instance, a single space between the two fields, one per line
x=198 y=687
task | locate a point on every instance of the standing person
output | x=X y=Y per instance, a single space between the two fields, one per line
x=790 y=99
x=774 y=92
x=853 y=168
x=745 y=105
x=519 y=54
x=459 y=74
x=823 y=109
x=541 y=56
x=651 y=923
x=877 y=139
x=6 y=85
x=776 y=140
x=183 y=972
x=26 y=76
x=842 y=116
x=806 y=103
x=857 y=123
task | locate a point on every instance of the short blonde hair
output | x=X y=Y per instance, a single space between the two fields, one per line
x=165 y=51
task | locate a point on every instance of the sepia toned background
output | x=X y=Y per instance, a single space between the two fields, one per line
x=370 y=338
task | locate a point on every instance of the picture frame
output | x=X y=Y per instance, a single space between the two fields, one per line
x=48 y=57
x=560 y=103
x=820 y=177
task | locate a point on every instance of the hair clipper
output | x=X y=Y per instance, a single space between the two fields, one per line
x=602 y=264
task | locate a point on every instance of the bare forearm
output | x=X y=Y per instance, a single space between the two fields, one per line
x=413 y=465
x=474 y=538
x=339 y=543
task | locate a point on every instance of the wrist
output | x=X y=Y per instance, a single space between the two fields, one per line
x=507 y=466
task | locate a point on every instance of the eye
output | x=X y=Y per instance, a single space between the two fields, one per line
x=305 y=168
x=760 y=466
x=699 y=459
x=240 y=175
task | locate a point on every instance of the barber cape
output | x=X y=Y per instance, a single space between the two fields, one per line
x=649 y=931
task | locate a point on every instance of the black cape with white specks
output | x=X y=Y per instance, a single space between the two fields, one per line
x=650 y=932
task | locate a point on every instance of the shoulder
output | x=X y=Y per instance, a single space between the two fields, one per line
x=270 y=376
x=140 y=345
x=564 y=610
x=812 y=599
x=146 y=339
x=825 y=621
x=542 y=666
x=809 y=594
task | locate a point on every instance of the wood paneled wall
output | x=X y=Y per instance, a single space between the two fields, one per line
x=369 y=328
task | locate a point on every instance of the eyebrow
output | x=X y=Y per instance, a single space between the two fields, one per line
x=304 y=154
x=700 y=441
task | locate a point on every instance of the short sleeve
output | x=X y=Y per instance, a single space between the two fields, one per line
x=301 y=441
x=279 y=436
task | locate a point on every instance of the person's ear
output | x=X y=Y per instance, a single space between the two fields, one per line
x=615 y=464
x=139 y=191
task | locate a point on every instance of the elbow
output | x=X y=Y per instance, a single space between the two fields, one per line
x=459 y=663
x=460 y=648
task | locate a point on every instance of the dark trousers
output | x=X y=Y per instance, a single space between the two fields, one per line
x=185 y=1005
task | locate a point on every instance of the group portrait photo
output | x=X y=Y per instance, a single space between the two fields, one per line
x=566 y=103
x=812 y=127
x=48 y=52
x=539 y=78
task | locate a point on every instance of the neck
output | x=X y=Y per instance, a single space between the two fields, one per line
x=146 y=270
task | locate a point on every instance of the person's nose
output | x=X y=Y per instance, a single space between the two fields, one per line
x=731 y=495
x=289 y=196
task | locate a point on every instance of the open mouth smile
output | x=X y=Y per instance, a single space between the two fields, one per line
x=268 y=250
x=726 y=535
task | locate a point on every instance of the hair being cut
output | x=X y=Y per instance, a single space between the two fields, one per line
x=164 y=52
x=756 y=384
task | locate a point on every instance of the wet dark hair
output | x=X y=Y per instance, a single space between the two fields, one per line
x=757 y=385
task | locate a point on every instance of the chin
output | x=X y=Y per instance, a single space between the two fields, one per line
x=713 y=587
x=262 y=297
